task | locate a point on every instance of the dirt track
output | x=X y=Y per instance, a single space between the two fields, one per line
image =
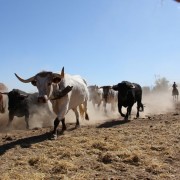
x=147 y=148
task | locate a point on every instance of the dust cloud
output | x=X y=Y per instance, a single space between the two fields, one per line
x=158 y=103
x=42 y=119
x=96 y=115
x=155 y=103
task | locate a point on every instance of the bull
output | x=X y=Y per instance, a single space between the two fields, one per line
x=95 y=95
x=22 y=104
x=109 y=97
x=128 y=94
x=49 y=83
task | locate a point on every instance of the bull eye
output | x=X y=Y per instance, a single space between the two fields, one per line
x=49 y=83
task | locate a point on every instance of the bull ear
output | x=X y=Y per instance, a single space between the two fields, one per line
x=56 y=80
x=33 y=83
x=62 y=72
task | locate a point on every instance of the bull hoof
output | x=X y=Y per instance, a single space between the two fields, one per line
x=125 y=119
x=87 y=117
x=54 y=137
x=77 y=126
x=63 y=129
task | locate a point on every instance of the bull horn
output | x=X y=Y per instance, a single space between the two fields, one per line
x=25 y=80
x=62 y=72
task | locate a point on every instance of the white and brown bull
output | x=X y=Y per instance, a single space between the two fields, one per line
x=49 y=83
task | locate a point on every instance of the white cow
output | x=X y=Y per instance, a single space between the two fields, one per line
x=48 y=83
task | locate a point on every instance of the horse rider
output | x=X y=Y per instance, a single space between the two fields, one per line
x=174 y=85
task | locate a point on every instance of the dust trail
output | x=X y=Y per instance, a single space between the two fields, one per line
x=95 y=115
x=38 y=120
x=158 y=103
x=3 y=121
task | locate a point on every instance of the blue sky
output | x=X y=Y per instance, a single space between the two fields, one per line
x=104 y=41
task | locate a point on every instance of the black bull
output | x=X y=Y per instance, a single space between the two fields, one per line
x=23 y=104
x=128 y=94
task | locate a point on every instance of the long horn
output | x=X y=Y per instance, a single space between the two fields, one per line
x=25 y=80
x=62 y=72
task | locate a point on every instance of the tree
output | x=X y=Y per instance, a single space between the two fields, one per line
x=146 y=90
x=161 y=84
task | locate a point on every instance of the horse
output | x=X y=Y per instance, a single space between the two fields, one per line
x=175 y=94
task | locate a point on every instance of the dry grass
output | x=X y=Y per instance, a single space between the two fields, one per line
x=139 y=149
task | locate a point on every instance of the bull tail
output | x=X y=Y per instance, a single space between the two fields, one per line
x=82 y=112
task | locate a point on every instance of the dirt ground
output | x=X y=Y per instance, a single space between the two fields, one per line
x=144 y=148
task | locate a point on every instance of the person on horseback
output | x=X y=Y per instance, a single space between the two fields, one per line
x=174 y=85
x=175 y=91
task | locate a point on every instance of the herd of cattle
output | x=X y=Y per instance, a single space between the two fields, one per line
x=67 y=92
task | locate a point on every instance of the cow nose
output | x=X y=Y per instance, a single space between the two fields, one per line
x=42 y=100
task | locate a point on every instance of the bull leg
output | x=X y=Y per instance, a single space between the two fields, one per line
x=99 y=105
x=105 y=110
x=63 y=125
x=138 y=107
x=11 y=117
x=85 y=109
x=27 y=120
x=120 y=110
x=56 y=123
x=129 y=108
x=55 y=132
x=77 y=117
